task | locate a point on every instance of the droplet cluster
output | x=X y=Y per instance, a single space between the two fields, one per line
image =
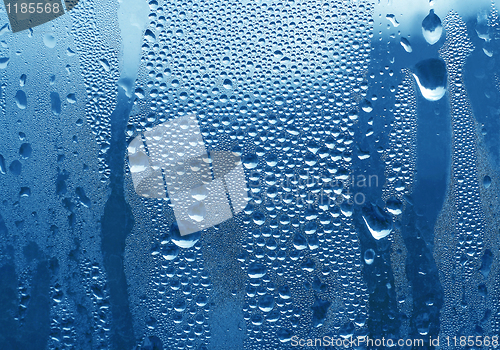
x=277 y=84
x=461 y=230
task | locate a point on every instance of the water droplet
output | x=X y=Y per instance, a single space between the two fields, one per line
x=5 y=28
x=25 y=150
x=250 y=161
x=406 y=45
x=170 y=251
x=299 y=241
x=369 y=256
x=25 y=192
x=320 y=310
x=71 y=98
x=82 y=198
x=284 y=335
x=366 y=106
x=49 y=40
x=431 y=78
x=20 y=99
x=138 y=161
x=432 y=28
x=308 y=265
x=197 y=211
x=186 y=241
x=55 y=103
x=377 y=222
x=149 y=36
x=266 y=303
x=278 y=55
x=139 y=93
x=486 y=181
x=392 y=19
x=199 y=193
x=180 y=305
x=15 y=167
x=105 y=64
x=256 y=270
x=285 y=292
x=394 y=206
x=201 y=300
x=4 y=61
x=228 y=84
x=3 y=167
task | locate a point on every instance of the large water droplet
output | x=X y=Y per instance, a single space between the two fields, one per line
x=431 y=78
x=284 y=335
x=369 y=256
x=266 y=303
x=199 y=193
x=228 y=84
x=4 y=29
x=197 y=211
x=4 y=61
x=71 y=98
x=186 y=241
x=392 y=19
x=250 y=161
x=285 y=292
x=432 y=28
x=170 y=251
x=486 y=181
x=152 y=343
x=55 y=103
x=49 y=40
x=256 y=270
x=20 y=99
x=394 y=206
x=149 y=36
x=3 y=167
x=105 y=64
x=138 y=162
x=378 y=223
x=320 y=309
x=299 y=241
x=486 y=261
x=180 y=305
x=25 y=150
x=406 y=45
x=366 y=106
x=15 y=167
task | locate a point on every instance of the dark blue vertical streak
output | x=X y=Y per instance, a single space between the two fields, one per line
x=117 y=223
x=419 y=218
x=9 y=303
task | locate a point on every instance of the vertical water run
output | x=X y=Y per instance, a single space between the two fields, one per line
x=117 y=223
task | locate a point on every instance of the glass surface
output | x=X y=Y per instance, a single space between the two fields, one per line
x=243 y=175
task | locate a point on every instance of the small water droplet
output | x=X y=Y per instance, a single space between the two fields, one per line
x=406 y=45
x=369 y=256
x=49 y=40
x=20 y=99
x=197 y=211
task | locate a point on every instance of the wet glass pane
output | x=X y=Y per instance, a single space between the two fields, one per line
x=236 y=175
